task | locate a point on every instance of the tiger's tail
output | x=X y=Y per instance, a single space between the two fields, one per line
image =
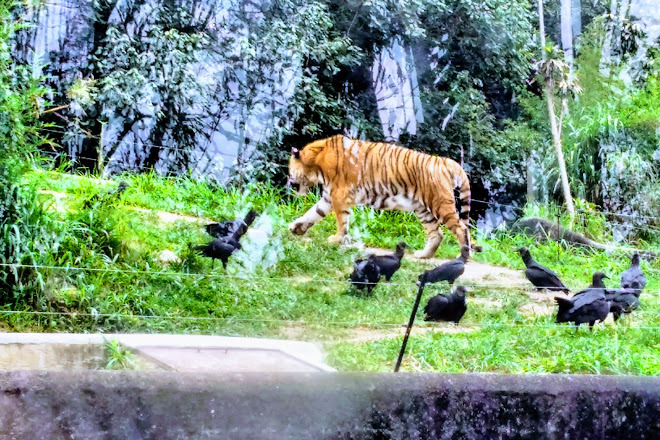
x=462 y=194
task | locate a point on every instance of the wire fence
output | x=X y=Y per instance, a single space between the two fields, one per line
x=311 y=323
x=506 y=285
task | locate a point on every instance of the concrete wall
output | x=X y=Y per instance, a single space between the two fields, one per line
x=128 y=405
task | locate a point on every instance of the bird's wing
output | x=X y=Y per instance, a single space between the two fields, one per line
x=541 y=276
x=436 y=304
x=587 y=297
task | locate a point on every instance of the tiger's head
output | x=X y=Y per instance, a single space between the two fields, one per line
x=303 y=171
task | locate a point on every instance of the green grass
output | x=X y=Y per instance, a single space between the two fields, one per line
x=299 y=289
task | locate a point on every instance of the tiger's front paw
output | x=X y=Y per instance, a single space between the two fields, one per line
x=336 y=239
x=424 y=254
x=298 y=227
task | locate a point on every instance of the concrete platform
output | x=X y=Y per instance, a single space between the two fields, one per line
x=154 y=352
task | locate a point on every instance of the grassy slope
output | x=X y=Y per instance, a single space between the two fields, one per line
x=313 y=303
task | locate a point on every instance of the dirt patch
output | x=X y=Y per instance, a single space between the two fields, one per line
x=537 y=309
x=291 y=331
x=171 y=217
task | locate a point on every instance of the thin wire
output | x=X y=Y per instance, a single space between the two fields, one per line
x=137 y=143
x=485 y=326
x=507 y=286
x=582 y=210
x=194 y=318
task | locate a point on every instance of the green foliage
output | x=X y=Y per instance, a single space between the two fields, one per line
x=117 y=356
x=25 y=229
x=305 y=295
x=467 y=114
x=506 y=349
x=20 y=98
x=610 y=137
x=26 y=238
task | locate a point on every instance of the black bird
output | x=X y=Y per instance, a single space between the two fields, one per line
x=633 y=278
x=388 y=264
x=108 y=195
x=621 y=301
x=365 y=274
x=448 y=271
x=221 y=249
x=446 y=307
x=228 y=227
x=590 y=306
x=596 y=283
x=540 y=276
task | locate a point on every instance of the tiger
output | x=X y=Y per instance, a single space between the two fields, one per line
x=384 y=176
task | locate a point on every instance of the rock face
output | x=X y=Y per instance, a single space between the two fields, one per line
x=95 y=405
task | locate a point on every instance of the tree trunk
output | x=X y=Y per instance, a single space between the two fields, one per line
x=556 y=135
x=530 y=180
x=576 y=16
x=556 y=141
x=567 y=32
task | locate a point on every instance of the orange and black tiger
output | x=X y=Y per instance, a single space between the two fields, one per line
x=383 y=176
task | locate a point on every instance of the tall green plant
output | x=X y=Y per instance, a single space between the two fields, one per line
x=25 y=237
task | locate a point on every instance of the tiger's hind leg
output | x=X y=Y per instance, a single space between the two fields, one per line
x=433 y=235
x=452 y=222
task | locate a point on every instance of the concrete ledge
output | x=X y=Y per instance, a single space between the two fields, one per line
x=194 y=353
x=164 y=405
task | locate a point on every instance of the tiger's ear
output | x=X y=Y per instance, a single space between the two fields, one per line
x=309 y=154
x=295 y=152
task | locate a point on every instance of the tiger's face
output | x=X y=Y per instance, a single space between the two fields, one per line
x=301 y=176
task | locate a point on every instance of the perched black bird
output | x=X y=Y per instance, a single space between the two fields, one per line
x=365 y=274
x=108 y=195
x=446 y=307
x=221 y=249
x=448 y=271
x=621 y=301
x=590 y=306
x=388 y=264
x=633 y=278
x=596 y=283
x=228 y=227
x=540 y=276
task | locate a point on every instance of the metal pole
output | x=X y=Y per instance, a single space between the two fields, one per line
x=410 y=324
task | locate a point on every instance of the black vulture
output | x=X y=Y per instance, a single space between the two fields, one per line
x=221 y=249
x=365 y=274
x=621 y=301
x=633 y=278
x=389 y=264
x=446 y=307
x=448 y=271
x=596 y=283
x=589 y=307
x=540 y=276
x=228 y=227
